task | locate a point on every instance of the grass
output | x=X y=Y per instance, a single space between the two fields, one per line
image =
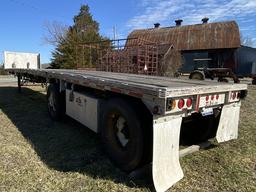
x=37 y=154
x=2 y=72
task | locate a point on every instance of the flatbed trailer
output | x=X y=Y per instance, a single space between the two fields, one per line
x=143 y=119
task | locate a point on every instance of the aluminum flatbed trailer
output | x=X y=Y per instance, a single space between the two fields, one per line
x=143 y=119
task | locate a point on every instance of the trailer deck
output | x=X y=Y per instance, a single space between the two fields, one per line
x=134 y=85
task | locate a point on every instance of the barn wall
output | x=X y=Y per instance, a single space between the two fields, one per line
x=246 y=61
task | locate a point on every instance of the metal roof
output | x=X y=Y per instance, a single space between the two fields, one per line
x=219 y=35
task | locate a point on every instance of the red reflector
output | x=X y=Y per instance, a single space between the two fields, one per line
x=234 y=95
x=212 y=97
x=207 y=98
x=181 y=103
x=238 y=95
x=189 y=102
x=217 y=97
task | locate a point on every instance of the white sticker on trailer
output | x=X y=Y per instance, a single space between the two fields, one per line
x=84 y=109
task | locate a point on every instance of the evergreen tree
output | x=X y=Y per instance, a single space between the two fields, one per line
x=70 y=53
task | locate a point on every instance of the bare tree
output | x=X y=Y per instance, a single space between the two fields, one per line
x=55 y=32
x=246 y=41
x=171 y=62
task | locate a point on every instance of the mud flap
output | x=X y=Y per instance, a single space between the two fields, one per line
x=228 y=125
x=166 y=166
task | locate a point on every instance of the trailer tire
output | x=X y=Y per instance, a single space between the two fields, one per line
x=122 y=134
x=55 y=102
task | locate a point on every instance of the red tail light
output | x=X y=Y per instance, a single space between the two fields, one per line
x=181 y=103
x=189 y=102
x=212 y=97
x=217 y=97
x=238 y=95
x=207 y=98
x=234 y=95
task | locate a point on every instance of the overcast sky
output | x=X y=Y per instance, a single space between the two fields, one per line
x=22 y=21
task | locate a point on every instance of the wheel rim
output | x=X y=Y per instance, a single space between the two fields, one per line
x=121 y=128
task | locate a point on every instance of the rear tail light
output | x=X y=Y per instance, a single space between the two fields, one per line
x=238 y=95
x=181 y=103
x=209 y=98
x=178 y=104
x=171 y=104
x=234 y=95
x=189 y=102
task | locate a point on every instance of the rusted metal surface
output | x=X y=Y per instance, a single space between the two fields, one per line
x=221 y=35
x=137 y=60
x=141 y=58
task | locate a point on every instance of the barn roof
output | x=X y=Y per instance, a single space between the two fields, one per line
x=219 y=35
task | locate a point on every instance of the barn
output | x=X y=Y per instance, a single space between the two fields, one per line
x=204 y=45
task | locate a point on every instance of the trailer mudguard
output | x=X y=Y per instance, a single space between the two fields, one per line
x=228 y=125
x=166 y=166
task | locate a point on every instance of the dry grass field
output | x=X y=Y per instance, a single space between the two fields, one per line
x=37 y=154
